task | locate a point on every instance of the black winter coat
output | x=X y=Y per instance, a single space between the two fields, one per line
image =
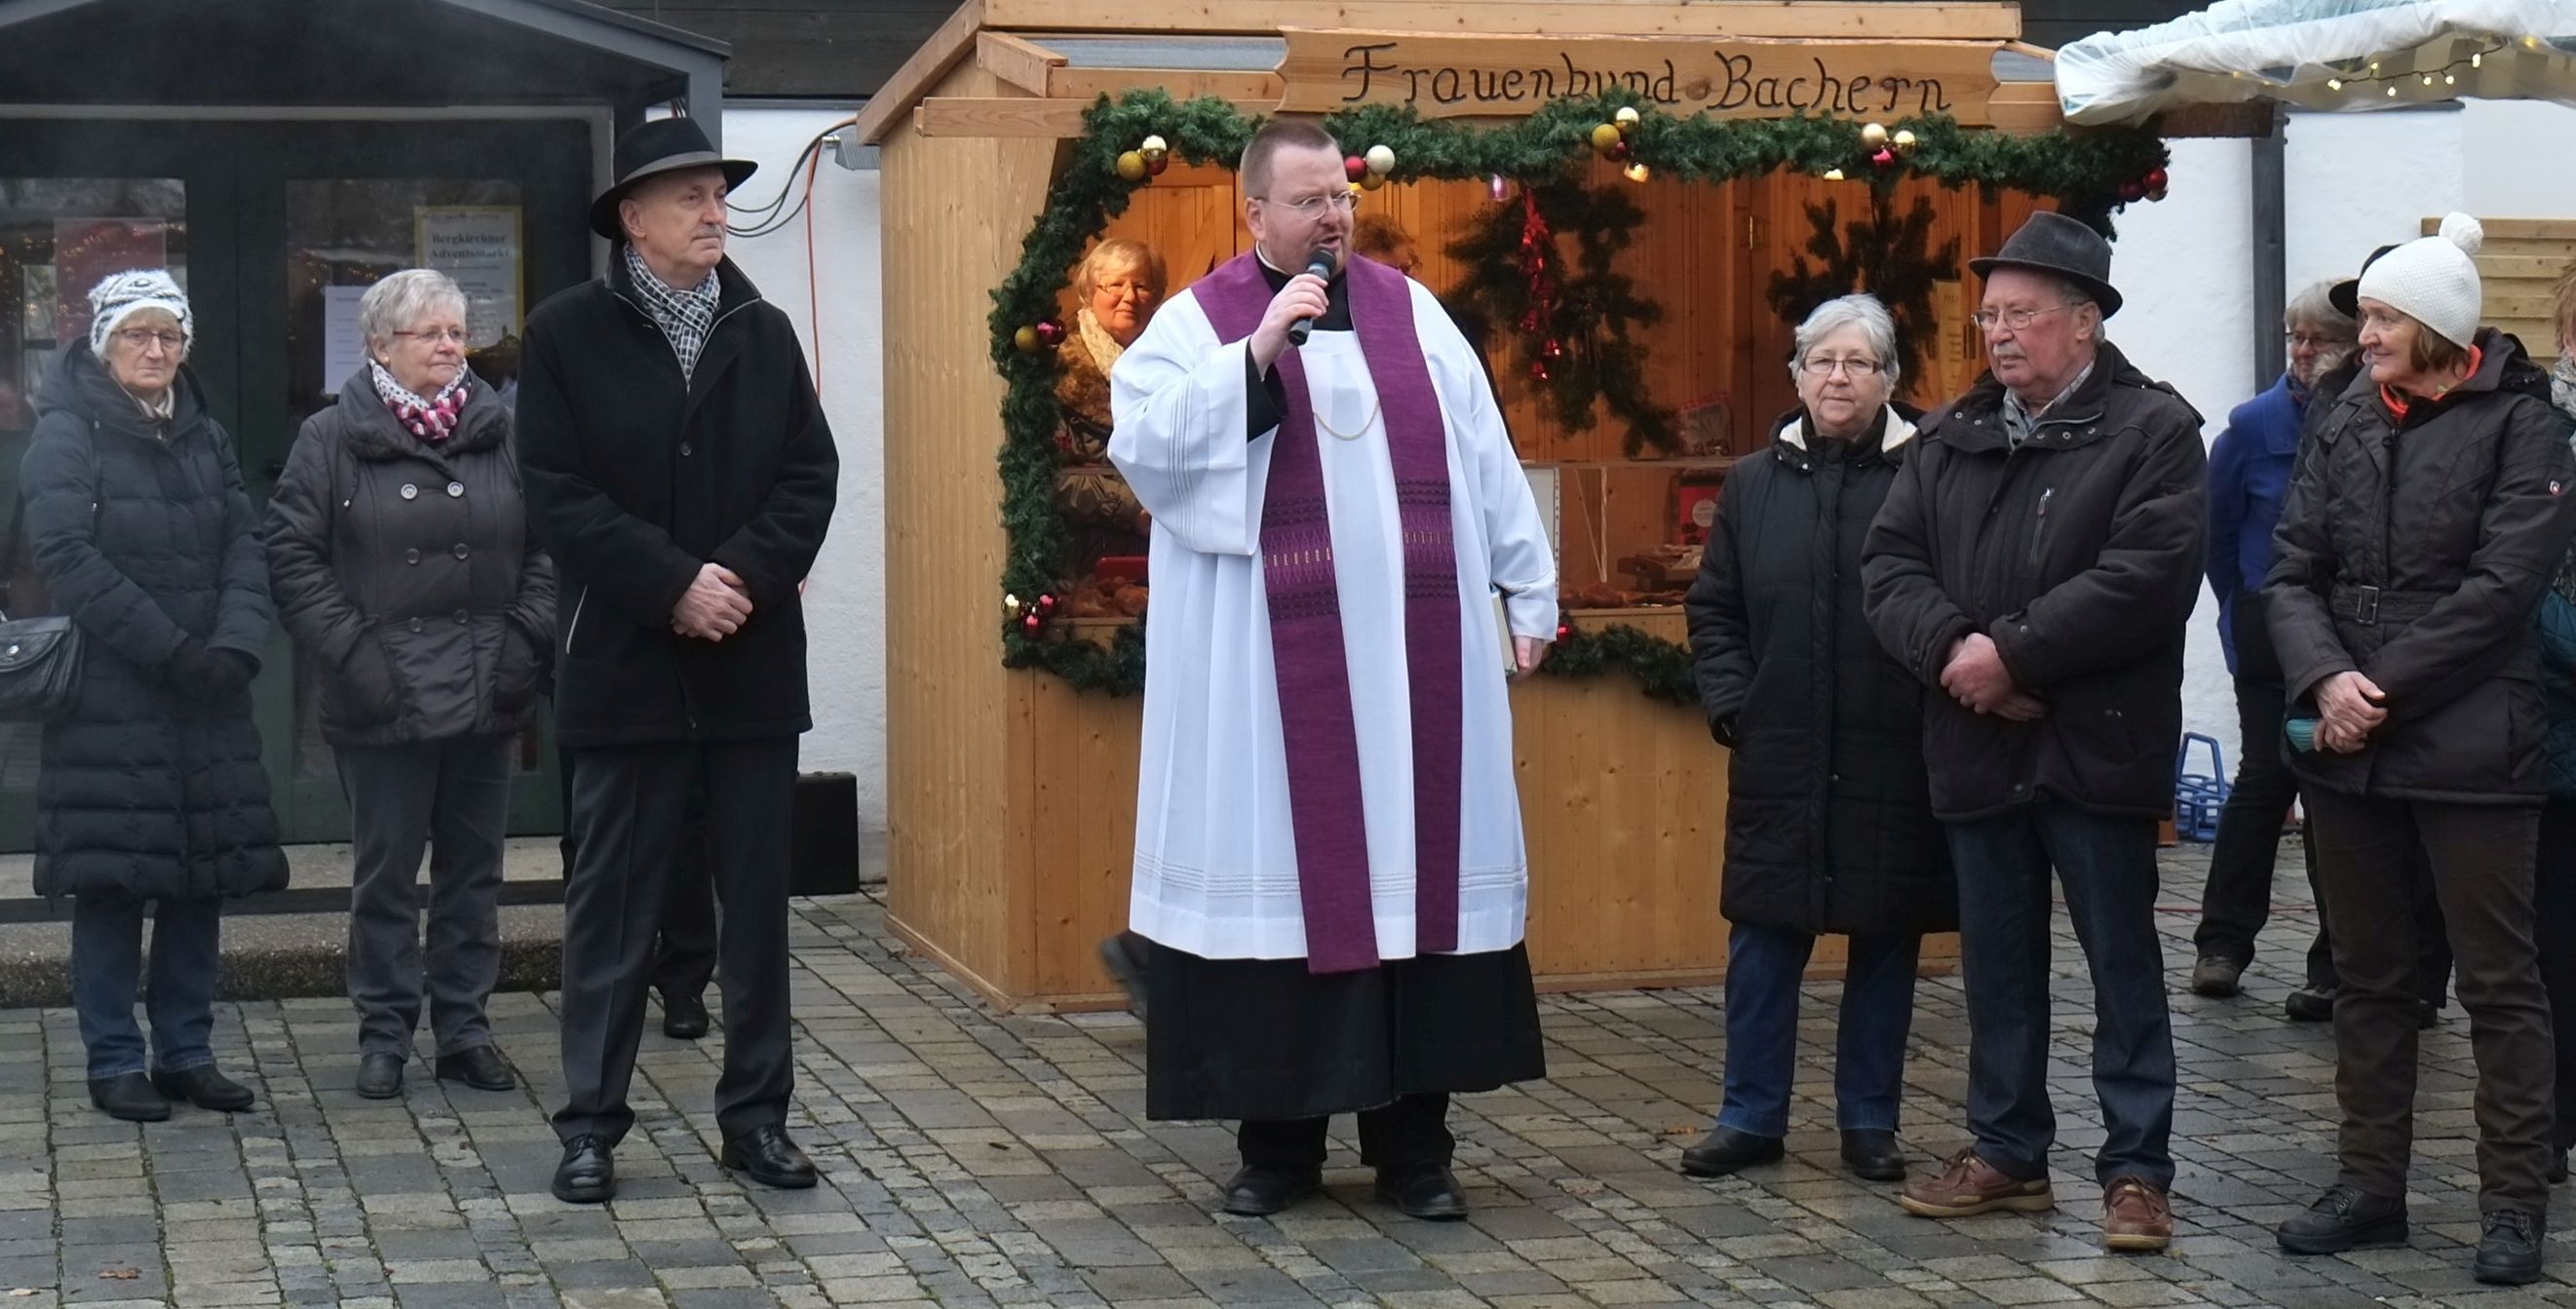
x=635 y=479
x=407 y=572
x=1829 y=823
x=151 y=788
x=2458 y=516
x=2079 y=555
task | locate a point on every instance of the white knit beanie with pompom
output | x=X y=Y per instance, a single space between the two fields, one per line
x=2433 y=280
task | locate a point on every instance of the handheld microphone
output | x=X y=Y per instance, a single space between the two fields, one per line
x=1321 y=265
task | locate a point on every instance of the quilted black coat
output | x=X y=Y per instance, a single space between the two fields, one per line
x=147 y=790
x=1829 y=823
x=377 y=536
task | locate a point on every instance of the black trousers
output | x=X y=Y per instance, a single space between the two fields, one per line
x=2554 y=933
x=2481 y=860
x=684 y=955
x=1411 y=1133
x=2237 y=900
x=630 y=808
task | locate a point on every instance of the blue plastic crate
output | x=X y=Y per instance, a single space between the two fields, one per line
x=2198 y=797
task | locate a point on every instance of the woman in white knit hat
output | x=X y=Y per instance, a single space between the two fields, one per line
x=2426 y=517
x=151 y=793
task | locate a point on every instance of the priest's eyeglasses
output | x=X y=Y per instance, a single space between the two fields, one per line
x=1820 y=366
x=1313 y=206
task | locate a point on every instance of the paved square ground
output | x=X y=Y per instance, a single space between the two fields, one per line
x=975 y=1161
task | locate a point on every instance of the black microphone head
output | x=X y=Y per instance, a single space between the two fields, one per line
x=1322 y=264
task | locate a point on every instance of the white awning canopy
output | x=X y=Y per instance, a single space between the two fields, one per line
x=2325 y=54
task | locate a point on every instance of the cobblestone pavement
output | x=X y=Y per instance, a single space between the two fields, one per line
x=972 y=1161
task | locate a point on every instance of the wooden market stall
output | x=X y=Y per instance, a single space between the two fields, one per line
x=1012 y=787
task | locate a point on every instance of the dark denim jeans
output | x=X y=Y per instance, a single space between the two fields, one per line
x=2108 y=868
x=107 y=962
x=1764 y=966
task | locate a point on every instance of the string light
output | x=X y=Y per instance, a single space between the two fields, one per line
x=2447 y=73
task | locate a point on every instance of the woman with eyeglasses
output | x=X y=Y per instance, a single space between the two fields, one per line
x=1119 y=285
x=1829 y=825
x=2426 y=517
x=418 y=599
x=151 y=791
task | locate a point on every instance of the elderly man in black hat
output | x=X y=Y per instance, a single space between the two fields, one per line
x=679 y=470
x=2036 y=562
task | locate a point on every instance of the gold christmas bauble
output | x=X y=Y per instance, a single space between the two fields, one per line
x=1626 y=118
x=1833 y=174
x=1131 y=166
x=1873 y=135
x=1153 y=145
x=1026 y=339
x=1904 y=140
x=1605 y=136
x=1372 y=181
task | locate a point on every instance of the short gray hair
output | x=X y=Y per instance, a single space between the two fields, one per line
x=2314 y=306
x=1861 y=311
x=401 y=300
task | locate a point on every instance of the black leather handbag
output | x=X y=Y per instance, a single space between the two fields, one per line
x=40 y=658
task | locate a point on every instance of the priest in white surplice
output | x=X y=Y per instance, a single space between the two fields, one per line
x=1329 y=866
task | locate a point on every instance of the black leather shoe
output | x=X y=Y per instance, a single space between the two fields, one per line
x=2428 y=1015
x=380 y=1076
x=1873 y=1155
x=2557 y=1168
x=205 y=1088
x=1258 y=1192
x=129 y=1096
x=2310 y=1004
x=1727 y=1150
x=2217 y=976
x=588 y=1174
x=479 y=1067
x=1430 y=1192
x=2509 y=1253
x=684 y=1017
x=2345 y=1219
x=766 y=1156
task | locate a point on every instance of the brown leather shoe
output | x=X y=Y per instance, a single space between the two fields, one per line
x=1969 y=1185
x=2137 y=1218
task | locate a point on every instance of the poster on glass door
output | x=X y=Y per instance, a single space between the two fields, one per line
x=478 y=245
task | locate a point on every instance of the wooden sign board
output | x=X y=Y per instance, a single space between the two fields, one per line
x=1510 y=76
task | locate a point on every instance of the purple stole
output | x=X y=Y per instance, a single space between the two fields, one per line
x=1326 y=816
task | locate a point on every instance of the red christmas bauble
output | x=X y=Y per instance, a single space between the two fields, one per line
x=1050 y=332
x=1539 y=370
x=1156 y=164
x=1885 y=158
x=1354 y=167
x=1031 y=624
x=1564 y=630
x=2131 y=191
x=1046 y=604
x=2155 y=179
x=1617 y=150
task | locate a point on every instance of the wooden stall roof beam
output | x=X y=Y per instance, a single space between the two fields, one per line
x=945 y=49
x=1017 y=61
x=1003 y=117
x=1089 y=84
x=1783 y=19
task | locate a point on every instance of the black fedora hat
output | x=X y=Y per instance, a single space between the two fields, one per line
x=664 y=145
x=2055 y=244
x=2345 y=295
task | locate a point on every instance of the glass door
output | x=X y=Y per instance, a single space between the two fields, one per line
x=275 y=228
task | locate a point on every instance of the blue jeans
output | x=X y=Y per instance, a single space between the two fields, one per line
x=1764 y=966
x=107 y=961
x=2108 y=868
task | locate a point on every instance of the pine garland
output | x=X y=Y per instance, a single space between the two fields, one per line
x=2083 y=173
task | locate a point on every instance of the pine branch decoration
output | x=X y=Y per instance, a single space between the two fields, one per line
x=1886 y=254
